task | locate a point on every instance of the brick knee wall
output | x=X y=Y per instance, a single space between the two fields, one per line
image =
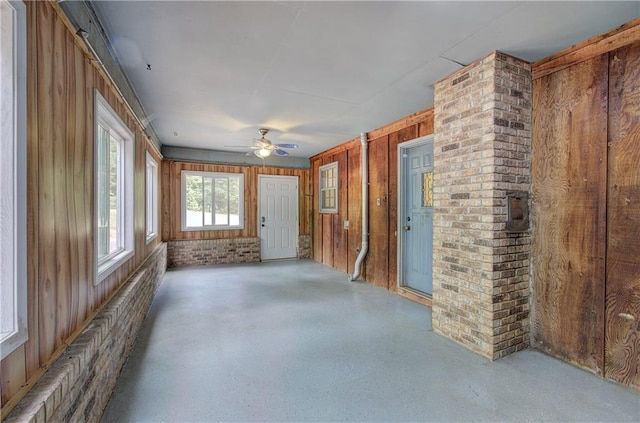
x=304 y=246
x=212 y=251
x=78 y=385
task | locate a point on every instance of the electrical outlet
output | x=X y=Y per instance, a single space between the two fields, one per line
x=346 y=224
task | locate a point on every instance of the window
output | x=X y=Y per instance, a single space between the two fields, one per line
x=152 y=198
x=13 y=176
x=329 y=188
x=113 y=190
x=212 y=201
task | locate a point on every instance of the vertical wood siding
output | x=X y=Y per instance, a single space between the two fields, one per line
x=569 y=189
x=172 y=199
x=337 y=247
x=60 y=276
x=586 y=185
x=622 y=332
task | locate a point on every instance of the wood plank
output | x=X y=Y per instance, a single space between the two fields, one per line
x=377 y=261
x=622 y=342
x=32 y=349
x=327 y=238
x=13 y=373
x=316 y=222
x=74 y=178
x=354 y=207
x=585 y=50
x=402 y=123
x=569 y=227
x=46 y=186
x=353 y=142
x=340 y=236
x=425 y=127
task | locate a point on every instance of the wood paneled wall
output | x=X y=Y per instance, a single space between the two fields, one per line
x=586 y=207
x=622 y=290
x=172 y=199
x=62 y=298
x=337 y=247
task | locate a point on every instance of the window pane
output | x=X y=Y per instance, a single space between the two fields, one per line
x=219 y=200
x=194 y=207
x=115 y=207
x=150 y=197
x=234 y=201
x=222 y=201
x=208 y=201
x=427 y=189
x=103 y=192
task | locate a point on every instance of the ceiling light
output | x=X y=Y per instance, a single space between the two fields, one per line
x=262 y=153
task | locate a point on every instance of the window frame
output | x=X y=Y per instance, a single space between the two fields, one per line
x=105 y=116
x=321 y=189
x=14 y=185
x=151 y=196
x=213 y=175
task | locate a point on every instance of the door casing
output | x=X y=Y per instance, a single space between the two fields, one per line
x=260 y=210
x=401 y=197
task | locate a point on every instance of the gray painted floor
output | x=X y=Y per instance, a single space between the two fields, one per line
x=295 y=341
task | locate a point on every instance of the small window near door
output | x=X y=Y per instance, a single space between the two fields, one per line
x=329 y=188
x=427 y=189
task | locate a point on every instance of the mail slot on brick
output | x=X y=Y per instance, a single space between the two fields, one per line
x=517 y=211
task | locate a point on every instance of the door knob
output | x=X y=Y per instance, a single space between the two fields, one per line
x=407 y=228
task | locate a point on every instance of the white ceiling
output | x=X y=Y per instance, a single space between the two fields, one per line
x=319 y=73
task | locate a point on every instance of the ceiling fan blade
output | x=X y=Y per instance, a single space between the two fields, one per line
x=287 y=145
x=280 y=152
x=238 y=146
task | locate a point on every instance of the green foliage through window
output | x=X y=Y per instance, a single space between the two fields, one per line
x=212 y=200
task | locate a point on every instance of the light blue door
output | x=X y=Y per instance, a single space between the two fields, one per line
x=417 y=224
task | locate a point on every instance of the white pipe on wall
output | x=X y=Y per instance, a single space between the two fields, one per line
x=364 y=168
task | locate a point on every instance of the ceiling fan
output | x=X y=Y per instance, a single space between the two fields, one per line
x=263 y=147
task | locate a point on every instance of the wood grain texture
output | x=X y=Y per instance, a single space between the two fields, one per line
x=595 y=46
x=60 y=274
x=622 y=341
x=316 y=222
x=424 y=115
x=340 y=236
x=377 y=261
x=354 y=206
x=569 y=227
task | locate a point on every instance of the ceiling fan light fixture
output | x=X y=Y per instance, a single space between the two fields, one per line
x=262 y=153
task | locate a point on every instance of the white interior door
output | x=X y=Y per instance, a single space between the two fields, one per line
x=278 y=216
x=416 y=217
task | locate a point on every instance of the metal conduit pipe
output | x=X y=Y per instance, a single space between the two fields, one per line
x=364 y=168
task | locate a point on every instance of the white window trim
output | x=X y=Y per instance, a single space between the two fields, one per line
x=17 y=177
x=151 y=199
x=183 y=208
x=106 y=115
x=320 y=189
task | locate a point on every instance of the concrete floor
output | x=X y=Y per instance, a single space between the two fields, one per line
x=295 y=341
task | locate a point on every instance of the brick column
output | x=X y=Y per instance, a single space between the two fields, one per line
x=482 y=150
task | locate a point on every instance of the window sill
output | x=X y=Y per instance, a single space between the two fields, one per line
x=212 y=228
x=151 y=237
x=108 y=267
